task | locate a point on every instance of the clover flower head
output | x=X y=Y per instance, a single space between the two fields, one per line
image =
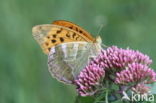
x=135 y=73
x=89 y=80
x=124 y=67
x=114 y=57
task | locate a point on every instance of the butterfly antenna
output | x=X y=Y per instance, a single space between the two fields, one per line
x=100 y=29
x=104 y=46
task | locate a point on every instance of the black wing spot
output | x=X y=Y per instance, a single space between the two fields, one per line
x=71 y=27
x=54 y=36
x=76 y=29
x=58 y=31
x=61 y=39
x=80 y=31
x=74 y=35
x=53 y=41
x=67 y=35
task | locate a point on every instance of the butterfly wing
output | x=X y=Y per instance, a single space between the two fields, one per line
x=66 y=60
x=74 y=27
x=50 y=35
x=58 y=68
x=68 y=46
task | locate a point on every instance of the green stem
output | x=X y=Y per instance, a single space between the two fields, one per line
x=106 y=97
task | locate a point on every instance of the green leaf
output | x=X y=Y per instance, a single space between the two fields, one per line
x=80 y=99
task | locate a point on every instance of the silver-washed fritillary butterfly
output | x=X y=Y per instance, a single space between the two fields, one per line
x=68 y=47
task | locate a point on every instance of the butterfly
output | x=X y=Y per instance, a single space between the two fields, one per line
x=68 y=47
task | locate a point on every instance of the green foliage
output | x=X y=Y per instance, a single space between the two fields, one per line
x=24 y=75
x=80 y=99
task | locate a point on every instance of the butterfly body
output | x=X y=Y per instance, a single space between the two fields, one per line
x=68 y=47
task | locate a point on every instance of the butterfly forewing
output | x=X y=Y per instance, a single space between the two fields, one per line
x=50 y=35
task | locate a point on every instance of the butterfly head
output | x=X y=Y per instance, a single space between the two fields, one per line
x=97 y=43
x=98 y=40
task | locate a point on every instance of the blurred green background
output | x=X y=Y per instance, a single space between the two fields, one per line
x=24 y=77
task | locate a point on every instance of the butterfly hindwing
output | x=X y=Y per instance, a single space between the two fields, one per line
x=72 y=58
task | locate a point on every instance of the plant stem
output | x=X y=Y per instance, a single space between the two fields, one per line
x=106 y=96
